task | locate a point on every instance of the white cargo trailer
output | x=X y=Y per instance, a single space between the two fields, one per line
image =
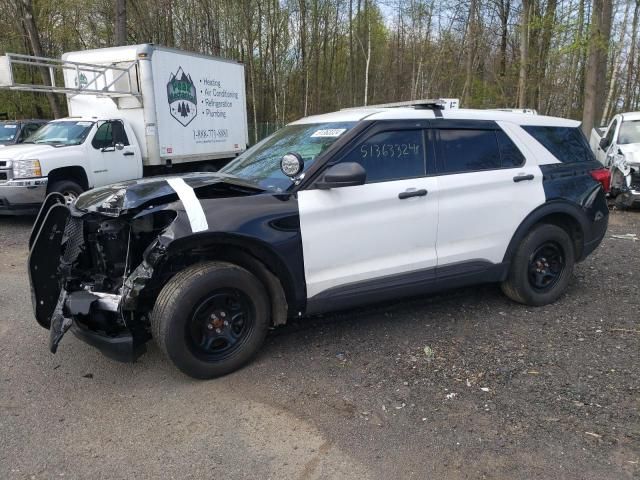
x=133 y=111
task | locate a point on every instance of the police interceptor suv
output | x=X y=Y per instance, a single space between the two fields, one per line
x=332 y=211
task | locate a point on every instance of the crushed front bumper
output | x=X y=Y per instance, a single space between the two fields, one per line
x=56 y=240
x=22 y=196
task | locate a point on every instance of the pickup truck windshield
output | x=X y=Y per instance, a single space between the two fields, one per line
x=629 y=132
x=261 y=163
x=62 y=133
x=8 y=132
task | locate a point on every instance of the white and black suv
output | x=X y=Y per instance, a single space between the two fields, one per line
x=330 y=212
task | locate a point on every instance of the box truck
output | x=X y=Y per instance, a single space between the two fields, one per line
x=133 y=111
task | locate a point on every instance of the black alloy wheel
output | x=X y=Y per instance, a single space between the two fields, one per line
x=546 y=265
x=220 y=324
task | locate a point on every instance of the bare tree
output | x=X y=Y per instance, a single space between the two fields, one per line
x=524 y=53
x=121 y=22
x=595 y=71
x=31 y=28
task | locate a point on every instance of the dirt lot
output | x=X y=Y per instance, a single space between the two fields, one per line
x=504 y=391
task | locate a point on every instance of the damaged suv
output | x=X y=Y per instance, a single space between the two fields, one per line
x=330 y=212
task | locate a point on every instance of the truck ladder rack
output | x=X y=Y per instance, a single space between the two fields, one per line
x=90 y=79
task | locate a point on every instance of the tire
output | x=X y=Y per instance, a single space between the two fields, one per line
x=70 y=190
x=545 y=256
x=189 y=319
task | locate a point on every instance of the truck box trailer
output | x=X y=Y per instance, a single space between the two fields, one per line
x=183 y=107
x=133 y=111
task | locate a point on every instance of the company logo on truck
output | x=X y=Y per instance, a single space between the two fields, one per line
x=181 y=94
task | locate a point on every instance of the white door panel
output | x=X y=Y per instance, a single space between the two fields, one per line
x=123 y=164
x=351 y=234
x=480 y=212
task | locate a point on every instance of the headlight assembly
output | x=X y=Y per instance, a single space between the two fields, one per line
x=26 y=168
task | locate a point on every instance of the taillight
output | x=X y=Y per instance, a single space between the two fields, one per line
x=603 y=176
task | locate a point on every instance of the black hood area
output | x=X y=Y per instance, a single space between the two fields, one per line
x=133 y=194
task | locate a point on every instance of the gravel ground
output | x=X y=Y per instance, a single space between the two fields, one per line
x=461 y=385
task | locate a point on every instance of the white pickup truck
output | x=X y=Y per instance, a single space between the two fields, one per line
x=617 y=147
x=134 y=111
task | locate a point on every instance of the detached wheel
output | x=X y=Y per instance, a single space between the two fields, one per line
x=211 y=319
x=541 y=267
x=69 y=190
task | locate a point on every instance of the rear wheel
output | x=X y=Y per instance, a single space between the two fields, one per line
x=70 y=190
x=541 y=267
x=211 y=319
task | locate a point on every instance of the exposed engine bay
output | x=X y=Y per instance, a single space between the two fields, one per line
x=101 y=271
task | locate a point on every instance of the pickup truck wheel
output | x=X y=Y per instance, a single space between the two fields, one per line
x=541 y=267
x=69 y=190
x=211 y=319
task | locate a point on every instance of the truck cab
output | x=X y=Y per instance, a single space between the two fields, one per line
x=68 y=156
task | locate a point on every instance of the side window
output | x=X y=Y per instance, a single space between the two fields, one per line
x=611 y=132
x=567 y=144
x=103 y=137
x=24 y=133
x=468 y=151
x=119 y=134
x=510 y=155
x=391 y=155
x=29 y=129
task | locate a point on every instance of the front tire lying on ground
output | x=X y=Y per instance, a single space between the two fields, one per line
x=541 y=267
x=211 y=318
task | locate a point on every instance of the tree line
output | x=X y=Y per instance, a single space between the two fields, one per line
x=572 y=58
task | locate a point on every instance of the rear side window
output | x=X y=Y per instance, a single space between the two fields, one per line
x=471 y=150
x=391 y=155
x=468 y=151
x=567 y=144
x=509 y=153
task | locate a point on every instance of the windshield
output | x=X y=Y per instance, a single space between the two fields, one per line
x=8 y=132
x=261 y=163
x=629 y=132
x=62 y=133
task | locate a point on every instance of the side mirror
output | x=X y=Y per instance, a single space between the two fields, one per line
x=119 y=146
x=604 y=143
x=347 y=174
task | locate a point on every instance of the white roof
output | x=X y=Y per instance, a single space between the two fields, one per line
x=77 y=119
x=410 y=113
x=631 y=116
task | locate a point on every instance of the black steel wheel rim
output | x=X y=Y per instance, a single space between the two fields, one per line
x=546 y=265
x=220 y=324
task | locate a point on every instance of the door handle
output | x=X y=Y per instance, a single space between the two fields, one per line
x=128 y=154
x=522 y=178
x=412 y=193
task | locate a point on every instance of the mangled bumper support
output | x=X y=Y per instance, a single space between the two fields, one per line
x=121 y=347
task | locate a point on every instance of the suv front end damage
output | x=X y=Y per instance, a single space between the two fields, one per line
x=87 y=271
x=92 y=264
